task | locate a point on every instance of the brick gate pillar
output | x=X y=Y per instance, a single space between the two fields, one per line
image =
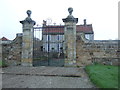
x=27 y=41
x=70 y=39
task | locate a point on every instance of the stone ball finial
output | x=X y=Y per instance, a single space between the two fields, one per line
x=29 y=13
x=70 y=10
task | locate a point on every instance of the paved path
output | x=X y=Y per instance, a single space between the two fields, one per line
x=45 y=77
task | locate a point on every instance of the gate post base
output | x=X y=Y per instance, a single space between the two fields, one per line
x=26 y=64
x=70 y=63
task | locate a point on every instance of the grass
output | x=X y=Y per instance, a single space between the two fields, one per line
x=2 y=64
x=103 y=76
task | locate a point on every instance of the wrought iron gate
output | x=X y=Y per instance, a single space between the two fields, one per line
x=48 y=46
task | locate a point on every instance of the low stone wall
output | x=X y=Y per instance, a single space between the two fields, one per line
x=0 y=49
x=100 y=51
x=87 y=52
x=11 y=53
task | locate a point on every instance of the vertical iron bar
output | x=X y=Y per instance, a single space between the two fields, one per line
x=33 y=47
x=48 y=48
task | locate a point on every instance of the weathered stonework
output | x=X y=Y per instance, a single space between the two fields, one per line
x=27 y=43
x=15 y=51
x=70 y=39
x=87 y=52
x=97 y=51
x=0 y=49
x=11 y=50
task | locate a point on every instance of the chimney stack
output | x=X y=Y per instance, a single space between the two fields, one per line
x=85 y=22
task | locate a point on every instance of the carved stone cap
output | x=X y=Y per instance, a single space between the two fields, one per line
x=28 y=19
x=70 y=17
x=29 y=13
x=70 y=10
x=70 y=20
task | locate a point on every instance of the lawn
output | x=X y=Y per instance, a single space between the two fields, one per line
x=103 y=76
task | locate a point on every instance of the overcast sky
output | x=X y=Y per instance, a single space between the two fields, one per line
x=102 y=14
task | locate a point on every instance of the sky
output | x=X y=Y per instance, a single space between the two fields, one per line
x=102 y=14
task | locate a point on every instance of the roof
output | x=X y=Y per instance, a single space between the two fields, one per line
x=53 y=29
x=87 y=29
x=4 y=39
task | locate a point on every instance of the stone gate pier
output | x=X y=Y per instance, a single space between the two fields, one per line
x=70 y=39
x=27 y=44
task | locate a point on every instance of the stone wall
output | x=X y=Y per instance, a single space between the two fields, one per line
x=87 y=52
x=100 y=51
x=5 y=50
x=0 y=49
x=11 y=52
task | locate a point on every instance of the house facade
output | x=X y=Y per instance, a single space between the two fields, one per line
x=53 y=36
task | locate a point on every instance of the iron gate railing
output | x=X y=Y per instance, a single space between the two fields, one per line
x=48 y=46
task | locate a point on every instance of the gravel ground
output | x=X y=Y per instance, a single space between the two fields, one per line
x=45 y=77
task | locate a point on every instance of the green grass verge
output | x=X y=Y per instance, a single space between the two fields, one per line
x=2 y=64
x=103 y=76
